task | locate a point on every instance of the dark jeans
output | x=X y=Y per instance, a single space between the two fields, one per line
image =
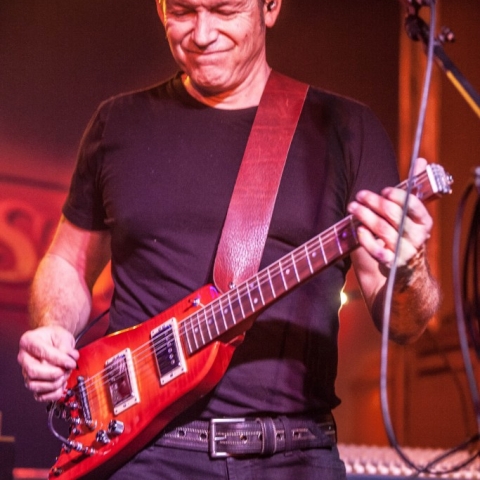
x=163 y=463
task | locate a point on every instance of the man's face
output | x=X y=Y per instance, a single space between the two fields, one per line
x=217 y=43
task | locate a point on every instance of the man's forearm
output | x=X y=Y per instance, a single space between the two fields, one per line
x=59 y=296
x=416 y=298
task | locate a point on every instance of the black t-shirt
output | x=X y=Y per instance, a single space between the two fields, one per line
x=157 y=168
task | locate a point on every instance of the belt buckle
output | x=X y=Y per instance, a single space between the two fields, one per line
x=214 y=437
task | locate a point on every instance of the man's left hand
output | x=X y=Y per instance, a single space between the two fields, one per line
x=380 y=216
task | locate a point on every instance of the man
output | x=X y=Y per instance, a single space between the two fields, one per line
x=150 y=192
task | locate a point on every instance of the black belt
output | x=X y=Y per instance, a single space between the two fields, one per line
x=224 y=437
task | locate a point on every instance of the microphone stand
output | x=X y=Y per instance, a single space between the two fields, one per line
x=418 y=30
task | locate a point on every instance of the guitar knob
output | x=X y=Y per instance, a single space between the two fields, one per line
x=102 y=437
x=115 y=428
x=56 y=472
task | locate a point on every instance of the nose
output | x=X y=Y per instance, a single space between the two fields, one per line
x=204 y=31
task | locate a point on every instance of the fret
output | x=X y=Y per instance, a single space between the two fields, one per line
x=245 y=300
x=204 y=327
x=274 y=293
x=253 y=301
x=255 y=294
x=346 y=234
x=227 y=313
x=240 y=303
x=330 y=245
x=301 y=264
x=235 y=305
x=315 y=254
x=196 y=330
x=265 y=288
x=231 y=309
x=213 y=315
x=220 y=309
x=320 y=242
x=337 y=239
x=208 y=322
x=307 y=256
x=276 y=277
x=283 y=276
x=260 y=290
x=294 y=264
x=191 y=340
x=289 y=273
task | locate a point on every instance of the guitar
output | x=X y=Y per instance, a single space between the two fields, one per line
x=129 y=385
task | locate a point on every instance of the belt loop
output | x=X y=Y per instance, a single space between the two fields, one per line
x=287 y=432
x=269 y=435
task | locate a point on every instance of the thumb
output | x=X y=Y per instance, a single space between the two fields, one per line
x=420 y=165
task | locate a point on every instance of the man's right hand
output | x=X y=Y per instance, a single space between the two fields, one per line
x=47 y=356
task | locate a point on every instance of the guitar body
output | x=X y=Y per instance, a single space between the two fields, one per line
x=158 y=404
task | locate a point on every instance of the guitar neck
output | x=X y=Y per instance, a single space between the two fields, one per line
x=250 y=297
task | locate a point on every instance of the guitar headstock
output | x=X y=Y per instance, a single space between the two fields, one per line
x=441 y=180
x=432 y=183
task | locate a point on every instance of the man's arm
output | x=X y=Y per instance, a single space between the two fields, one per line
x=415 y=299
x=416 y=294
x=60 y=307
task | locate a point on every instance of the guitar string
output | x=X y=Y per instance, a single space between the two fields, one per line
x=262 y=278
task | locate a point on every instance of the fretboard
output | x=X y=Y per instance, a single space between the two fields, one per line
x=242 y=301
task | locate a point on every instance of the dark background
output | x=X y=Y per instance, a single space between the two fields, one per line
x=59 y=59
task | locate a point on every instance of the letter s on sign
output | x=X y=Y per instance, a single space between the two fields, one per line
x=18 y=251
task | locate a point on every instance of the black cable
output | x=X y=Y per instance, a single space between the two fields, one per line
x=390 y=287
x=391 y=278
x=90 y=325
x=459 y=310
x=471 y=271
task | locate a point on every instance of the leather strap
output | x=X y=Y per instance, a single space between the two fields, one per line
x=251 y=206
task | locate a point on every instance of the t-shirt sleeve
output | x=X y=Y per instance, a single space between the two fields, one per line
x=84 y=204
x=375 y=165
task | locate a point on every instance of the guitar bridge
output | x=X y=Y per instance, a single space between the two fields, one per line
x=122 y=382
x=168 y=351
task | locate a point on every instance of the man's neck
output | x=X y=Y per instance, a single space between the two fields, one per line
x=246 y=95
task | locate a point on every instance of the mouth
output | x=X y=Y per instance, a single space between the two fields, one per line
x=205 y=53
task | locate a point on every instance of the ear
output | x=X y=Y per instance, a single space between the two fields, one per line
x=271 y=10
x=160 y=10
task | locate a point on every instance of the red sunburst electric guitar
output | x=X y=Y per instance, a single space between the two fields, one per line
x=130 y=385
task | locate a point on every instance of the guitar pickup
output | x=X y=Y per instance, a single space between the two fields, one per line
x=168 y=351
x=122 y=382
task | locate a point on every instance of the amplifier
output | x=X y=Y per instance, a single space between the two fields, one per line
x=365 y=462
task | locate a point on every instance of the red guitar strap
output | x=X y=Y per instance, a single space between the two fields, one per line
x=248 y=218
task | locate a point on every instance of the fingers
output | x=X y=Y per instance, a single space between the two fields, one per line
x=376 y=247
x=381 y=215
x=47 y=356
x=417 y=214
x=47 y=390
x=54 y=345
